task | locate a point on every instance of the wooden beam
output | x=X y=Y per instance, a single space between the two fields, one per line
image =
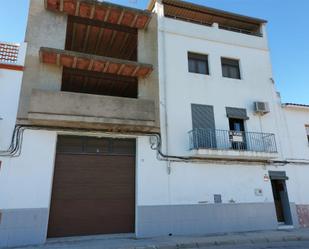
x=121 y=69
x=58 y=60
x=135 y=71
x=61 y=5
x=106 y=67
x=77 y=8
x=110 y=43
x=98 y=42
x=80 y=20
x=92 y=12
x=85 y=43
x=107 y=14
x=134 y=21
x=94 y=57
x=74 y=62
x=90 y=65
x=98 y=75
x=52 y=56
x=124 y=43
x=73 y=36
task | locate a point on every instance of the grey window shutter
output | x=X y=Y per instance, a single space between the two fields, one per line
x=278 y=175
x=203 y=117
x=203 y=123
x=239 y=113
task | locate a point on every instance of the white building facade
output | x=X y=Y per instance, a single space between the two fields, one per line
x=241 y=184
x=183 y=148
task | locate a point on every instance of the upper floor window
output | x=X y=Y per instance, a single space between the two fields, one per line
x=198 y=63
x=307 y=131
x=230 y=68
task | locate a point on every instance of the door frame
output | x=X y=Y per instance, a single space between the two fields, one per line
x=280 y=176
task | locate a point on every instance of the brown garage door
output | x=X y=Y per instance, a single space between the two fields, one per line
x=93 y=188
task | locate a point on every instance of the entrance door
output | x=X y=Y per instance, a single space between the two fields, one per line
x=93 y=187
x=238 y=126
x=281 y=200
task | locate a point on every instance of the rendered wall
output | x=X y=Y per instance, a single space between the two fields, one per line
x=295 y=120
x=180 y=200
x=172 y=197
x=44 y=29
x=148 y=88
x=25 y=188
x=183 y=88
x=297 y=149
x=10 y=85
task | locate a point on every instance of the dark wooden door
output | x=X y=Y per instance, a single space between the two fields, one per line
x=93 y=193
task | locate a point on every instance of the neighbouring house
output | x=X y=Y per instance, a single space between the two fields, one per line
x=154 y=122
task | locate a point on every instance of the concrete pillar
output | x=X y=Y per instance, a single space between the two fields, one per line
x=148 y=88
x=44 y=29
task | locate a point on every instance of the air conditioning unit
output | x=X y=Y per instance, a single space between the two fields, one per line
x=261 y=107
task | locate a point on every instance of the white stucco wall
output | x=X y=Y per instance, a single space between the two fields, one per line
x=295 y=119
x=181 y=88
x=25 y=181
x=10 y=84
x=193 y=183
x=196 y=183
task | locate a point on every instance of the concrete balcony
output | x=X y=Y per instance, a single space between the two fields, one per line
x=85 y=111
x=233 y=144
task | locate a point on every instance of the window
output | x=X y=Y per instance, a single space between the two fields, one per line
x=307 y=131
x=230 y=68
x=198 y=63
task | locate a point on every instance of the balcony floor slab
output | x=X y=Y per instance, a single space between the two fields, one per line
x=233 y=154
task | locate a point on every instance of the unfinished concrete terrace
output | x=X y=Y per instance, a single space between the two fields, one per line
x=92 y=52
x=83 y=61
x=101 y=11
x=75 y=110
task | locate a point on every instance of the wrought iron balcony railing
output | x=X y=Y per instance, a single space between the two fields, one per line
x=232 y=140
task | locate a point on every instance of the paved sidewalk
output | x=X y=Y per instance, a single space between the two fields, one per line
x=174 y=242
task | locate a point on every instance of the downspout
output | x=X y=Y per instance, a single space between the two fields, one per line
x=163 y=105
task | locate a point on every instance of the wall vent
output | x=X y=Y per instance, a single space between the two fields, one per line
x=217 y=198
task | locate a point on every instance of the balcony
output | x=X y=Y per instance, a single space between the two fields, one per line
x=232 y=144
x=199 y=14
x=85 y=111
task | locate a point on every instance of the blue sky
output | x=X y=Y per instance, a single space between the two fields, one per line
x=288 y=33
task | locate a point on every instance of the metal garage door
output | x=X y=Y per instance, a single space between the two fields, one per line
x=93 y=187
